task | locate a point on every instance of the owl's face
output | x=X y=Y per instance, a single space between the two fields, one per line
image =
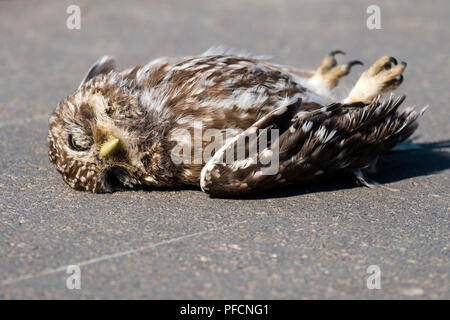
x=90 y=142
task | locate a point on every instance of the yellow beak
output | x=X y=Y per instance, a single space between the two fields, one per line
x=109 y=146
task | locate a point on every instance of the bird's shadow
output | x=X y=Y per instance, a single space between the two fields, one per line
x=429 y=158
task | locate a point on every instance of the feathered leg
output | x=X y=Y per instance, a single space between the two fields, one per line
x=327 y=74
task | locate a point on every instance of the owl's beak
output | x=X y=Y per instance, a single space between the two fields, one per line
x=109 y=146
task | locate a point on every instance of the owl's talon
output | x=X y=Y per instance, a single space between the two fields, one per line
x=394 y=83
x=335 y=52
x=399 y=79
x=393 y=61
x=329 y=71
x=353 y=63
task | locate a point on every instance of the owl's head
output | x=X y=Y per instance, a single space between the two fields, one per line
x=89 y=138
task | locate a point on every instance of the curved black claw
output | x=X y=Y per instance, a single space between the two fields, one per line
x=335 y=52
x=353 y=63
x=404 y=64
x=393 y=61
x=396 y=82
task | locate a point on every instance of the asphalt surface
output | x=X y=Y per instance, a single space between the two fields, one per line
x=301 y=242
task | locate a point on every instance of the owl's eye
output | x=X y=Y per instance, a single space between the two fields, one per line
x=74 y=145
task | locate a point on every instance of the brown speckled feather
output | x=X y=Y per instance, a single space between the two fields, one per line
x=149 y=110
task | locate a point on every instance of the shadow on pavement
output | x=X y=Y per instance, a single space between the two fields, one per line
x=429 y=159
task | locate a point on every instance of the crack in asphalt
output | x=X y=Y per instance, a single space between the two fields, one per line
x=110 y=256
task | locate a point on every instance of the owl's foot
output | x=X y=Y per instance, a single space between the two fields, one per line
x=329 y=71
x=384 y=75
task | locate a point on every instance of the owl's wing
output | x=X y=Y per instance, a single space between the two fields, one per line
x=103 y=65
x=309 y=143
x=264 y=146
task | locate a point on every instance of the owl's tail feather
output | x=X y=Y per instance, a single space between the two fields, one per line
x=338 y=137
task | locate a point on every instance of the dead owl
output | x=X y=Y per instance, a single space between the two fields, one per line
x=228 y=123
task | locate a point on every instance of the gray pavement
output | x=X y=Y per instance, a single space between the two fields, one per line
x=302 y=242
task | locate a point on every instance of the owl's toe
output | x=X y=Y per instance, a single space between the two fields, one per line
x=391 y=78
x=329 y=71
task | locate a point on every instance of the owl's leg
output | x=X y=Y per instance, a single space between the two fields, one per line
x=384 y=75
x=327 y=75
